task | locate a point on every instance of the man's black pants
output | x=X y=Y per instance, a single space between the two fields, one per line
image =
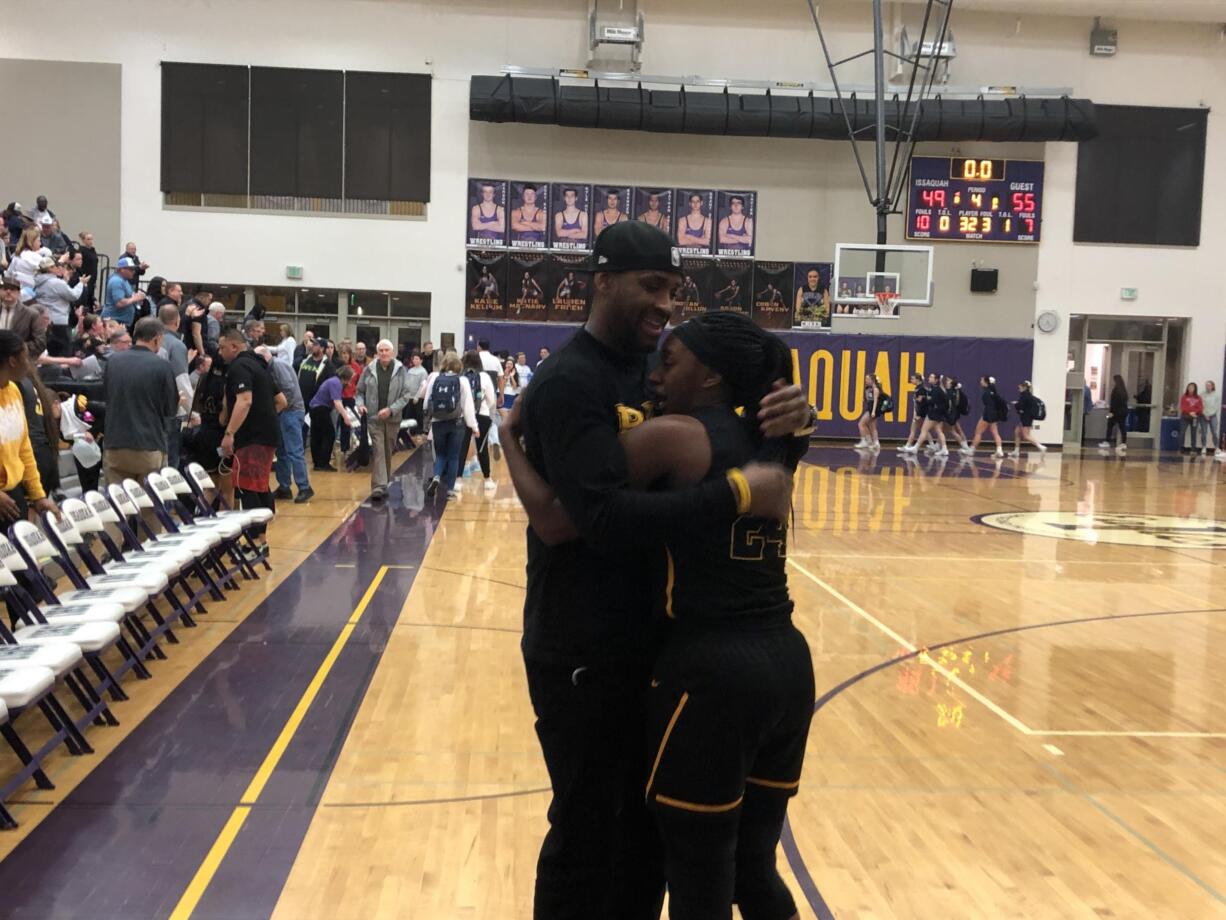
x=323 y=435
x=601 y=858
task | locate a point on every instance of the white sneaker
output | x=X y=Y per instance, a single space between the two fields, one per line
x=1042 y=448
x=453 y=496
x=1122 y=449
x=910 y=449
x=1204 y=451
x=903 y=448
x=943 y=452
x=966 y=449
x=490 y=485
x=1220 y=455
x=999 y=455
x=875 y=447
x=863 y=442
x=1105 y=444
x=1015 y=454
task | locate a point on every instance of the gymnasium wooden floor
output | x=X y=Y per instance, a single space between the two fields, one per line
x=1021 y=713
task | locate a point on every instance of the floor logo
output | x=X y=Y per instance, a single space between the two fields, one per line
x=1127 y=529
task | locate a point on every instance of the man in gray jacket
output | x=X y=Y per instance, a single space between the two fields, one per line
x=383 y=392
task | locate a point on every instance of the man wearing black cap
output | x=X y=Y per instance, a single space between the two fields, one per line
x=27 y=322
x=589 y=639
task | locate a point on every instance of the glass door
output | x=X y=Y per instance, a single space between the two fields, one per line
x=1141 y=366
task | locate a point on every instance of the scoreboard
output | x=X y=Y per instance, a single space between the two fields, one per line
x=975 y=200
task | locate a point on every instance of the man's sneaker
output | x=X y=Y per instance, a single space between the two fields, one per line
x=432 y=487
x=304 y=496
x=1105 y=444
x=283 y=492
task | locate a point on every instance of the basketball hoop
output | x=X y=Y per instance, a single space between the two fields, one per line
x=887 y=302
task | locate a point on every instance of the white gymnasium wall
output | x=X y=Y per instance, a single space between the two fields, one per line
x=1159 y=64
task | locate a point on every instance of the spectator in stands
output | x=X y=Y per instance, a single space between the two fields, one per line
x=541 y=356
x=141 y=266
x=140 y=397
x=314 y=368
x=250 y=422
x=215 y=325
x=154 y=292
x=202 y=438
x=20 y=319
x=325 y=400
x=427 y=357
x=489 y=361
x=54 y=295
x=89 y=267
x=15 y=221
x=522 y=370
x=42 y=211
x=290 y=465
x=256 y=312
x=52 y=237
x=485 y=401
x=253 y=332
x=173 y=295
x=195 y=313
x=122 y=298
x=382 y=394
x=349 y=393
x=5 y=247
x=416 y=374
x=333 y=358
x=42 y=411
x=284 y=350
x=19 y=479
x=303 y=349
x=120 y=340
x=360 y=357
x=174 y=351
x=24 y=264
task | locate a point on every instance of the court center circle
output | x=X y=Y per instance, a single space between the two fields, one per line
x=1124 y=529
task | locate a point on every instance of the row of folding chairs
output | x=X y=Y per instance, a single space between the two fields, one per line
x=94 y=594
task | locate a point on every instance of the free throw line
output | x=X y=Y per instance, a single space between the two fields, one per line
x=217 y=852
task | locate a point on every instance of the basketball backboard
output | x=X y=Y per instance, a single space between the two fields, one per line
x=864 y=270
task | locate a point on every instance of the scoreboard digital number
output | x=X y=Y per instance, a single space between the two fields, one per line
x=975 y=200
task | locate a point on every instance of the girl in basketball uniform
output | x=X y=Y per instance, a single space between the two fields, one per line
x=1027 y=411
x=919 y=409
x=868 y=420
x=995 y=411
x=488 y=219
x=694 y=228
x=731 y=694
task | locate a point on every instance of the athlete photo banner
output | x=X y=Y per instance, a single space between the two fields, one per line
x=831 y=367
x=732 y=288
x=611 y=204
x=528 y=288
x=771 y=305
x=811 y=294
x=487 y=213
x=529 y=215
x=571 y=210
x=654 y=206
x=736 y=219
x=487 y=285
x=694 y=220
x=694 y=295
x=569 y=290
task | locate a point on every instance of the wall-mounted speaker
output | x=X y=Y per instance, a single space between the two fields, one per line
x=984 y=280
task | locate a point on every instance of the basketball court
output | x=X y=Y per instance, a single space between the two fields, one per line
x=1018 y=713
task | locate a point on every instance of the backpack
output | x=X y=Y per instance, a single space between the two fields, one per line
x=1040 y=410
x=884 y=404
x=474 y=383
x=445 y=398
x=964 y=406
x=1002 y=408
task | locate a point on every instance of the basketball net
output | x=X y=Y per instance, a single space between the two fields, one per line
x=887 y=302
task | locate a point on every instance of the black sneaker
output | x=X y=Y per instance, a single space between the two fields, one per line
x=304 y=496
x=283 y=492
x=432 y=487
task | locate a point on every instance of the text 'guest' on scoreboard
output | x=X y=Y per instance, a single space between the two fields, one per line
x=975 y=200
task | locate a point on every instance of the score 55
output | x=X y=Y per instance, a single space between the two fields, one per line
x=1024 y=203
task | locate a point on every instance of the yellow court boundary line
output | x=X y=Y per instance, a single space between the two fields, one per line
x=217 y=852
x=924 y=657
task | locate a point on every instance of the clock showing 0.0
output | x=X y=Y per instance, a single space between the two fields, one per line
x=975 y=200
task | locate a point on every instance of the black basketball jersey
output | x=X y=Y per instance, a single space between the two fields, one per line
x=736 y=570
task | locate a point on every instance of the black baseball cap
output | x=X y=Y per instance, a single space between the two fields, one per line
x=633 y=246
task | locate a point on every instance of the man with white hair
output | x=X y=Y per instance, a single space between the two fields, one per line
x=215 y=323
x=383 y=392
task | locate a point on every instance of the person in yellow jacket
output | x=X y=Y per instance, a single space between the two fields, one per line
x=20 y=485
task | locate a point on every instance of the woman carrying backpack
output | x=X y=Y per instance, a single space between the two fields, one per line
x=876 y=404
x=1117 y=415
x=1029 y=410
x=919 y=408
x=484 y=397
x=995 y=411
x=958 y=407
x=936 y=412
x=449 y=407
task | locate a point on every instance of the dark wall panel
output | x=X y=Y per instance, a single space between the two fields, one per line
x=296 y=124
x=387 y=136
x=1141 y=181
x=204 y=128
